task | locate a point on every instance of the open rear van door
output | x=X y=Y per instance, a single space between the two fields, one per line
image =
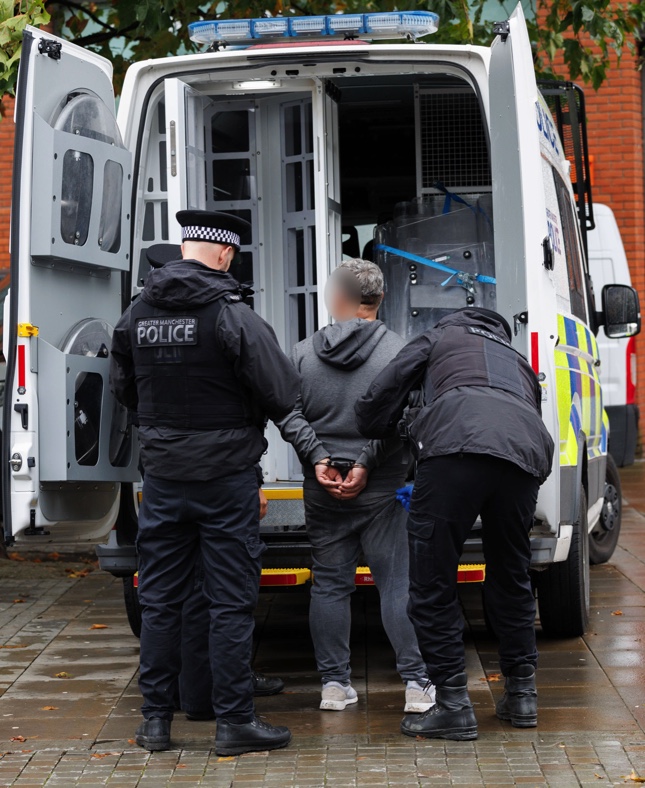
x=526 y=290
x=66 y=444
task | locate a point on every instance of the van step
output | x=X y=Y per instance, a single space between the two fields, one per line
x=467 y=573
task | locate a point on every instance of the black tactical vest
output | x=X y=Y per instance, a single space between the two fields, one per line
x=183 y=378
x=473 y=356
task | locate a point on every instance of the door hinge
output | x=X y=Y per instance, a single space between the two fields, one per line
x=27 y=330
x=50 y=48
x=173 y=148
x=547 y=251
x=521 y=318
x=502 y=29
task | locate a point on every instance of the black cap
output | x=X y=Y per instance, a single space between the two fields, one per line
x=160 y=254
x=215 y=227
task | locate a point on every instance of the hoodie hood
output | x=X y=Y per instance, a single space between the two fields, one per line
x=187 y=283
x=349 y=344
x=481 y=318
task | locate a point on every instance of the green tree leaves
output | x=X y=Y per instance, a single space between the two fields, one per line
x=14 y=17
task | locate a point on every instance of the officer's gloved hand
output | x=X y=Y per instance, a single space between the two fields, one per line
x=403 y=495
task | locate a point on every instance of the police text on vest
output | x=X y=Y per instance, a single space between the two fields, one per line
x=155 y=331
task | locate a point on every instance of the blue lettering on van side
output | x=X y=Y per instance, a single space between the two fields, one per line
x=546 y=126
x=554 y=231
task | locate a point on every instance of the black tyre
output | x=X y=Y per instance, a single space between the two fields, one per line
x=604 y=537
x=563 y=588
x=132 y=607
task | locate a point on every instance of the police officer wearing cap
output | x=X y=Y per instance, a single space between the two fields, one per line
x=195 y=680
x=203 y=372
x=482 y=449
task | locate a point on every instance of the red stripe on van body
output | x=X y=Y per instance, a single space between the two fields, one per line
x=21 y=367
x=630 y=358
x=535 y=352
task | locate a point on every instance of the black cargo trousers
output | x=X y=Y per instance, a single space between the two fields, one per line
x=182 y=524
x=449 y=493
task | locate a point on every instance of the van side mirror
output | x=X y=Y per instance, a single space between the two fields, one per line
x=621 y=312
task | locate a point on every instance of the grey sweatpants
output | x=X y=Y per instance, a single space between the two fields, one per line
x=373 y=523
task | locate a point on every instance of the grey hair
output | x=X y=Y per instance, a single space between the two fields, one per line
x=370 y=278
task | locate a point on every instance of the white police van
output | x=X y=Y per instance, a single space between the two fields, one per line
x=608 y=263
x=450 y=152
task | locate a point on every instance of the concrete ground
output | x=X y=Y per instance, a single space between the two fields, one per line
x=69 y=698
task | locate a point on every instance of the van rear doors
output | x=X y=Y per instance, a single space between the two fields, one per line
x=67 y=445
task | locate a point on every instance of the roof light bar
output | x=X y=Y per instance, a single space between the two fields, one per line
x=398 y=24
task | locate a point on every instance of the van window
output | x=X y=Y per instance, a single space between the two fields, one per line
x=568 y=222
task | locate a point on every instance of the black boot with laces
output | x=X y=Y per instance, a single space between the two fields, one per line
x=234 y=738
x=452 y=716
x=519 y=702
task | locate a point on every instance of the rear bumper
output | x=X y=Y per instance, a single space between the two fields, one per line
x=542 y=551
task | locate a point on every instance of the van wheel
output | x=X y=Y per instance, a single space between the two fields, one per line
x=132 y=607
x=604 y=537
x=563 y=588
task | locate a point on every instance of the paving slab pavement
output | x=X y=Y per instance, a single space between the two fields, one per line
x=69 y=699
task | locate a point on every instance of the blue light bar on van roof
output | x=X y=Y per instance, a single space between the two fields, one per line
x=397 y=24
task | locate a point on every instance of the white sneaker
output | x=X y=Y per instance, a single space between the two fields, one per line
x=335 y=696
x=419 y=697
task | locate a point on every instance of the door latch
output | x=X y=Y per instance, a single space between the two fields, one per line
x=16 y=462
x=23 y=409
x=521 y=318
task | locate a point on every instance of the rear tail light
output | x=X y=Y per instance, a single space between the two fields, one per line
x=631 y=371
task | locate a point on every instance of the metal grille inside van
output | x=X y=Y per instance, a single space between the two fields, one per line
x=452 y=141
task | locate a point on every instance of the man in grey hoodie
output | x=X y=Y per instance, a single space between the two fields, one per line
x=350 y=486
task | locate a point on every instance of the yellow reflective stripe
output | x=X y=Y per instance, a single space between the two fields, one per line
x=568 y=439
x=283 y=493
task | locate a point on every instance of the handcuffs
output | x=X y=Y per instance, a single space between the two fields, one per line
x=341 y=464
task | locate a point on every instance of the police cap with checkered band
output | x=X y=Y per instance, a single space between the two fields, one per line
x=215 y=227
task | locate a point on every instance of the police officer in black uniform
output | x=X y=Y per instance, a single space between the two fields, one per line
x=482 y=449
x=195 y=679
x=203 y=372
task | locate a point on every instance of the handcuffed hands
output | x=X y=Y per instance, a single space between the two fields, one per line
x=331 y=479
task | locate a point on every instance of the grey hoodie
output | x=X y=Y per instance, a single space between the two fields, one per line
x=337 y=365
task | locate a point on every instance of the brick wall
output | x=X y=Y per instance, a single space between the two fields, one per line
x=615 y=128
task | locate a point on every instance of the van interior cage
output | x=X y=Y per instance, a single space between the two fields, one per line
x=567 y=104
x=453 y=144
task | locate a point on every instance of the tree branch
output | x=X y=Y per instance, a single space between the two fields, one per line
x=101 y=38
x=79 y=7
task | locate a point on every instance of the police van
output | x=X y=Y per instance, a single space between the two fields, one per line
x=444 y=164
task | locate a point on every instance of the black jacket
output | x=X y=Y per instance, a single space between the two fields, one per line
x=480 y=395
x=265 y=376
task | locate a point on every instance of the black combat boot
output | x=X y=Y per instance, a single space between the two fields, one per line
x=266 y=685
x=519 y=702
x=154 y=734
x=255 y=736
x=452 y=716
